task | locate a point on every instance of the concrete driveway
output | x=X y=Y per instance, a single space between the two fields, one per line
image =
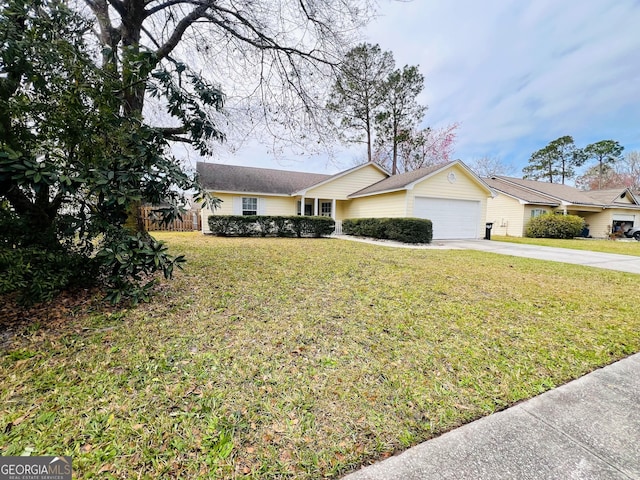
x=609 y=261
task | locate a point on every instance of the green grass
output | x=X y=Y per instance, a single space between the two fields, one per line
x=305 y=359
x=622 y=247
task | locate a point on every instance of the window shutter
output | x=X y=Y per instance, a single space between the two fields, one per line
x=237 y=205
x=262 y=206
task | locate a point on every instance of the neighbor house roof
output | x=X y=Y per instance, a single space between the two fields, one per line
x=525 y=194
x=564 y=193
x=232 y=178
x=553 y=194
x=405 y=181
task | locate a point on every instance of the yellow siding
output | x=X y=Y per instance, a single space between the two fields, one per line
x=507 y=215
x=226 y=207
x=342 y=206
x=350 y=183
x=281 y=206
x=386 y=205
x=438 y=186
x=600 y=223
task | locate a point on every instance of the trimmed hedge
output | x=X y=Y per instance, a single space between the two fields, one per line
x=407 y=230
x=553 y=225
x=266 y=225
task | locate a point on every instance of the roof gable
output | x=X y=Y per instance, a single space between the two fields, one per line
x=406 y=181
x=340 y=175
x=617 y=196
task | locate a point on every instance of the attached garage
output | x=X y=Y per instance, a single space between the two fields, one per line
x=451 y=218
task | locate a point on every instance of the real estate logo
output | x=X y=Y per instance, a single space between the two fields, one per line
x=35 y=468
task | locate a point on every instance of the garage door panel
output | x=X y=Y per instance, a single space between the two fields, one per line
x=451 y=218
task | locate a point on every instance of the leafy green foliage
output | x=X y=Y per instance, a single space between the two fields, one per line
x=265 y=225
x=553 y=225
x=407 y=230
x=129 y=260
x=74 y=166
x=358 y=93
x=39 y=274
x=556 y=162
x=606 y=153
x=400 y=111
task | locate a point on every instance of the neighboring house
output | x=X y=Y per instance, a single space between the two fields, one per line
x=450 y=195
x=520 y=200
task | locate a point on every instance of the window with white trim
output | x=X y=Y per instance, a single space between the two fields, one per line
x=249 y=206
x=536 y=212
x=325 y=209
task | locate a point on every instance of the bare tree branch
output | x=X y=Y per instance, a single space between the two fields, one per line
x=181 y=27
x=170 y=3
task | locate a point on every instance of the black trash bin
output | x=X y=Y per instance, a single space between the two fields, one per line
x=487 y=230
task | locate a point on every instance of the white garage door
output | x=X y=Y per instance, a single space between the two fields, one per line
x=451 y=218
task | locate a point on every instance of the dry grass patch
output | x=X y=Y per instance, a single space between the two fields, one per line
x=302 y=358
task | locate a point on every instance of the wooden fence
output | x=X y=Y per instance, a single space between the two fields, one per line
x=190 y=221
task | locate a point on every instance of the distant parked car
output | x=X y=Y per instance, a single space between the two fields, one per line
x=633 y=232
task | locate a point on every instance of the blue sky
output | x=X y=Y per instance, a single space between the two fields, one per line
x=515 y=75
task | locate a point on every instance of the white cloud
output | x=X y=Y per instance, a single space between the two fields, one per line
x=521 y=74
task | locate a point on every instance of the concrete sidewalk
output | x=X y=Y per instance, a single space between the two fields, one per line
x=587 y=429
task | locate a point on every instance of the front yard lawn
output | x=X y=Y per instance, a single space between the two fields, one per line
x=304 y=358
x=622 y=247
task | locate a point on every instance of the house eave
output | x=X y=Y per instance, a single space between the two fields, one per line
x=238 y=192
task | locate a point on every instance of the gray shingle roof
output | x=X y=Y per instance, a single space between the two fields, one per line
x=557 y=191
x=608 y=196
x=521 y=193
x=232 y=178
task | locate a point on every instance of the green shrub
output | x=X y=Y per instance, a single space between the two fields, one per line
x=220 y=225
x=282 y=227
x=264 y=225
x=38 y=275
x=407 y=230
x=297 y=225
x=351 y=226
x=553 y=225
x=321 y=226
